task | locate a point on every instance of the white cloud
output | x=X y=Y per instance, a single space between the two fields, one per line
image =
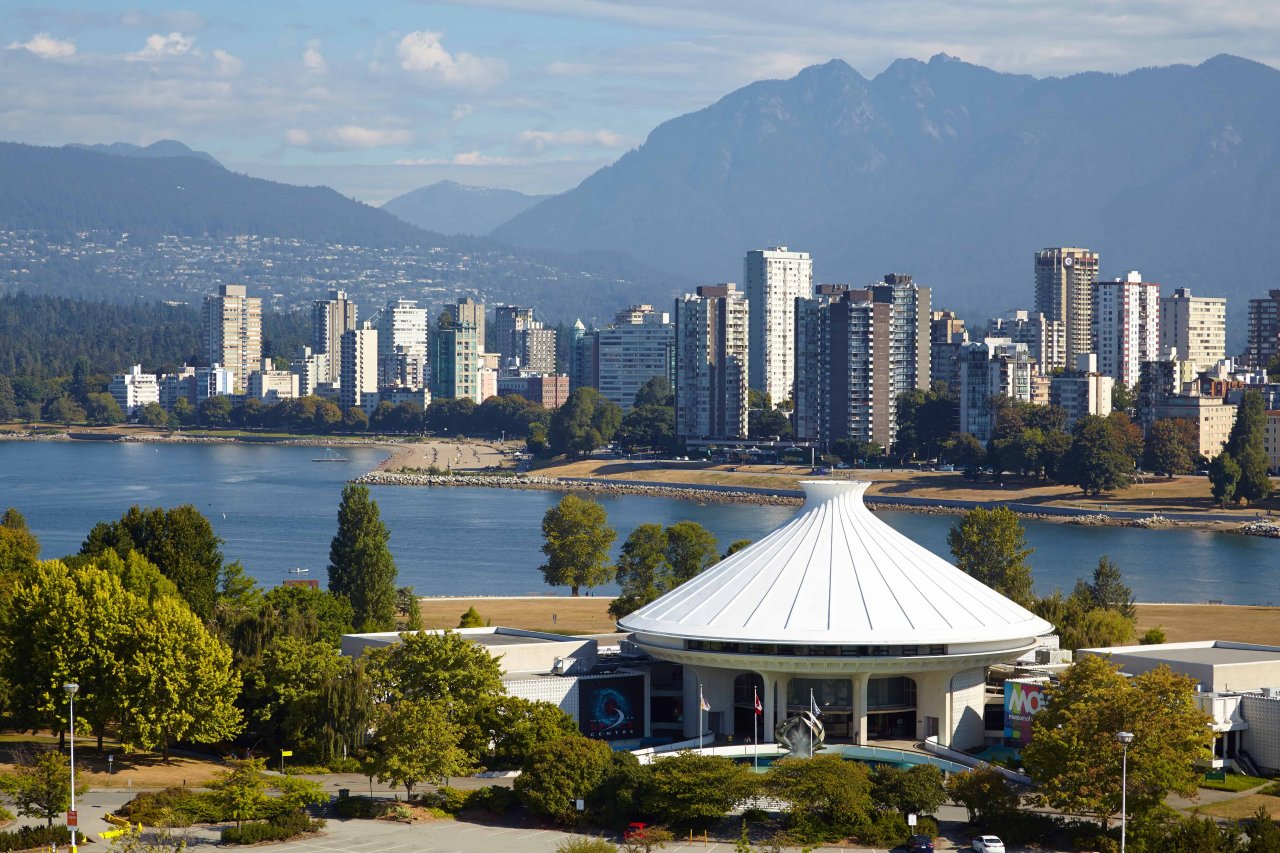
x=540 y=139
x=422 y=54
x=347 y=137
x=227 y=65
x=460 y=112
x=46 y=46
x=160 y=46
x=313 y=59
x=465 y=158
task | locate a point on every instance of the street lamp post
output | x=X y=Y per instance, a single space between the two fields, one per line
x=1125 y=739
x=71 y=687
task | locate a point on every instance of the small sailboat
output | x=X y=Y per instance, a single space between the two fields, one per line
x=331 y=455
x=298 y=571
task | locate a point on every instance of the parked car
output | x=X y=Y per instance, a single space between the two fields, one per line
x=638 y=827
x=988 y=844
x=919 y=844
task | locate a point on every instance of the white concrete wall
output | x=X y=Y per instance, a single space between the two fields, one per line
x=1262 y=739
x=968 y=694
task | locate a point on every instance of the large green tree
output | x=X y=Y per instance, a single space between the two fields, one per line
x=585 y=421
x=925 y=421
x=655 y=561
x=918 y=789
x=361 y=567
x=576 y=540
x=1224 y=477
x=1075 y=758
x=1099 y=459
x=416 y=741
x=688 y=789
x=1247 y=448
x=828 y=798
x=179 y=541
x=990 y=545
x=436 y=666
x=560 y=772
x=19 y=548
x=1171 y=447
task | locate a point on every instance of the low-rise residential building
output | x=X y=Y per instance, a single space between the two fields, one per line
x=547 y=390
x=1213 y=417
x=134 y=389
x=271 y=385
x=1271 y=439
x=1083 y=391
x=996 y=367
x=397 y=394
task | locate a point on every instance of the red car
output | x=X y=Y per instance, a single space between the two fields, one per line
x=634 y=829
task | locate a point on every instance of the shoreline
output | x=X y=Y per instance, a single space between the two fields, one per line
x=789 y=497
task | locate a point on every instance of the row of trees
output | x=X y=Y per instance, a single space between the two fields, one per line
x=654 y=560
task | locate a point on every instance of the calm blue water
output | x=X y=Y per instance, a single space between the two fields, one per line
x=277 y=509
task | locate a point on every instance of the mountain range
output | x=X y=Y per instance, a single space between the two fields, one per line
x=956 y=174
x=448 y=207
x=159 y=148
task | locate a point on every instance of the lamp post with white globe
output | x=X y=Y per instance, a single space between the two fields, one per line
x=71 y=687
x=1125 y=739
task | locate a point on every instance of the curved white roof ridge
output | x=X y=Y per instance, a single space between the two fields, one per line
x=836 y=574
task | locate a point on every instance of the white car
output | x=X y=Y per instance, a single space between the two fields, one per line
x=988 y=844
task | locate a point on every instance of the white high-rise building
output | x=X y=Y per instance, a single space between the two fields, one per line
x=1065 y=277
x=330 y=318
x=711 y=363
x=134 y=389
x=996 y=367
x=1126 y=326
x=1194 y=326
x=635 y=349
x=312 y=368
x=774 y=279
x=403 y=344
x=358 y=387
x=233 y=331
x=1046 y=339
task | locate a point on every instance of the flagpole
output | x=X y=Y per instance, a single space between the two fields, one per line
x=812 y=704
x=755 y=726
x=701 y=702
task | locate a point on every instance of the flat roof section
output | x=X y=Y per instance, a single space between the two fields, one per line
x=497 y=639
x=1212 y=655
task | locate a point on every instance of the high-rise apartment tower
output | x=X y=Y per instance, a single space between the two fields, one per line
x=711 y=354
x=233 y=332
x=1065 y=278
x=773 y=279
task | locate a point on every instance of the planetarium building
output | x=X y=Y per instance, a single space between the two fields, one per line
x=889 y=640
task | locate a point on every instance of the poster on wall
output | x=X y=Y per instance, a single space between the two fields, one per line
x=1022 y=701
x=611 y=708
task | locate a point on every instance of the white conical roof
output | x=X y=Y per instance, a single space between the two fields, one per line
x=835 y=574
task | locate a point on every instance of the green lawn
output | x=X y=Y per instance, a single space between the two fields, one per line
x=1235 y=783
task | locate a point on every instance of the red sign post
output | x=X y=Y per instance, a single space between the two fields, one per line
x=71 y=818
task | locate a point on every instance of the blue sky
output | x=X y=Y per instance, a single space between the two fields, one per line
x=377 y=98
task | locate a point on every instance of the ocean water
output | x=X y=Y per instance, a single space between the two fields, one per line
x=276 y=509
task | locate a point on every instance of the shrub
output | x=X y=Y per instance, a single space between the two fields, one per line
x=5 y=815
x=358 y=807
x=173 y=806
x=28 y=837
x=495 y=798
x=885 y=829
x=446 y=799
x=754 y=815
x=278 y=829
x=586 y=845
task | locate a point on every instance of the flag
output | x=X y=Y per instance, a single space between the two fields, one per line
x=759 y=707
x=813 y=705
x=702 y=701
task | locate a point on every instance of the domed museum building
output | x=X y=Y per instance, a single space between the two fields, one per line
x=889 y=640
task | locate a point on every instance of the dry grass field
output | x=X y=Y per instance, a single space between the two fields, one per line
x=1181 y=494
x=137 y=770
x=589 y=615
x=1240 y=808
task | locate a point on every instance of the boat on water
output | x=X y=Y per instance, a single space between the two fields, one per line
x=298 y=571
x=331 y=455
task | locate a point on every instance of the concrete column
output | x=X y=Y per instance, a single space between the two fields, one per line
x=859 y=723
x=933 y=699
x=769 y=719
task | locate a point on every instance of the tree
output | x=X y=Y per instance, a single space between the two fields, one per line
x=215 y=411
x=656 y=392
x=640 y=569
x=917 y=790
x=1224 y=475
x=964 y=450
x=153 y=415
x=241 y=790
x=1075 y=758
x=1247 y=448
x=178 y=682
x=471 y=619
x=688 y=789
x=735 y=546
x=1171 y=447
x=40 y=784
x=1108 y=590
x=1099 y=458
x=361 y=567
x=515 y=726
x=415 y=741
x=102 y=409
x=63 y=410
x=691 y=550
x=925 y=421
x=585 y=421
x=990 y=545
x=19 y=548
x=284 y=697
x=8 y=400
x=438 y=667
x=408 y=607
x=576 y=541
x=1122 y=398
x=184 y=414
x=179 y=541
x=558 y=773
x=649 y=426
x=828 y=798
x=984 y=793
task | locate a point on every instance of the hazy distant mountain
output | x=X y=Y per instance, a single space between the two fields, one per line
x=452 y=208
x=160 y=148
x=70 y=189
x=954 y=173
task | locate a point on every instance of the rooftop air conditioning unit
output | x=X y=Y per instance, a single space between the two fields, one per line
x=562 y=666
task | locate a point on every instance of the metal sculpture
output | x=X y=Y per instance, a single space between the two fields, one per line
x=800 y=735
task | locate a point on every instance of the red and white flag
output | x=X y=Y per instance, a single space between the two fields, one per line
x=759 y=707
